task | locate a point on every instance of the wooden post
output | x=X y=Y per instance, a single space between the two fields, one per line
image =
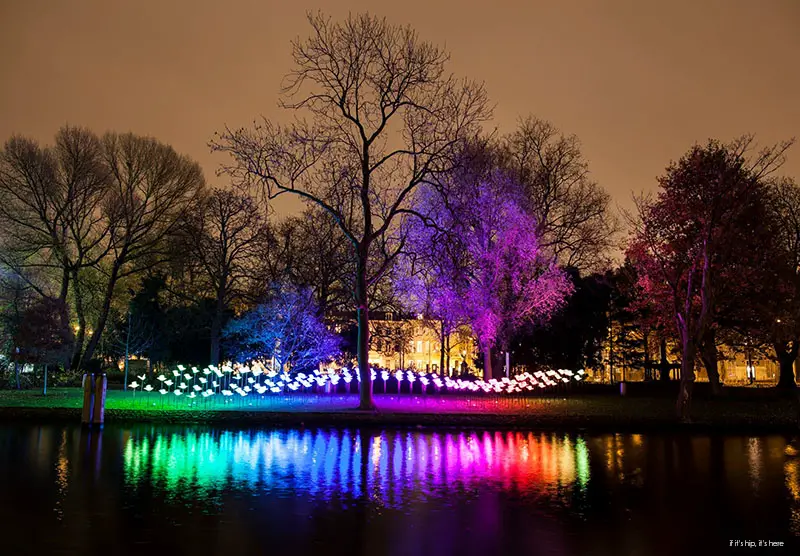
x=98 y=411
x=88 y=399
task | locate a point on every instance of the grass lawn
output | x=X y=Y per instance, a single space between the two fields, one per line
x=579 y=410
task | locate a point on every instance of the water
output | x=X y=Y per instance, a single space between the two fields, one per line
x=194 y=490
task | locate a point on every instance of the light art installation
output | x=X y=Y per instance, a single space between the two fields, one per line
x=256 y=379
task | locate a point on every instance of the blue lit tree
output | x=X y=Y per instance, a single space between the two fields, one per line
x=287 y=328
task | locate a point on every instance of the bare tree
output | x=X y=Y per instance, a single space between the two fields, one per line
x=575 y=222
x=152 y=188
x=276 y=259
x=131 y=334
x=321 y=260
x=222 y=239
x=383 y=117
x=51 y=209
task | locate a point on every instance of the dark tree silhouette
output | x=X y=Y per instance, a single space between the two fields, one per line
x=222 y=240
x=574 y=337
x=321 y=260
x=44 y=336
x=764 y=307
x=573 y=214
x=152 y=189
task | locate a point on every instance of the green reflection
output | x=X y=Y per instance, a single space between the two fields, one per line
x=328 y=463
x=582 y=462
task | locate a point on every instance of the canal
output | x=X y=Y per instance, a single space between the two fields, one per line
x=199 y=490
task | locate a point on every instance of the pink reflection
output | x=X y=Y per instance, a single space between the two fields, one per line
x=389 y=466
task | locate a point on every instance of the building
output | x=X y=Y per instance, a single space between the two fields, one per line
x=405 y=342
x=737 y=366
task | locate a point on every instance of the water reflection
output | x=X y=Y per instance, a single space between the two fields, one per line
x=397 y=492
x=792 y=471
x=390 y=466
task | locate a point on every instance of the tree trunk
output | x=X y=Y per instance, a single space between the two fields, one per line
x=648 y=364
x=44 y=386
x=103 y=317
x=663 y=367
x=787 y=355
x=64 y=285
x=77 y=352
x=441 y=349
x=487 y=362
x=684 y=403
x=216 y=324
x=710 y=358
x=362 y=302
x=16 y=373
x=448 y=357
x=64 y=313
x=611 y=352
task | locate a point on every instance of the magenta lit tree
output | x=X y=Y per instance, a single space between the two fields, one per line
x=698 y=245
x=482 y=250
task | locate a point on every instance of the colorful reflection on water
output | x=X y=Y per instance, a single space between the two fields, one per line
x=389 y=465
x=168 y=489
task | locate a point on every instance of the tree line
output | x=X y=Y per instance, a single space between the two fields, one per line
x=410 y=206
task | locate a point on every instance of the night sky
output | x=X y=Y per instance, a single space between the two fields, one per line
x=637 y=81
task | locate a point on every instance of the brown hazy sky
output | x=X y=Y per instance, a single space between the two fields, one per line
x=638 y=81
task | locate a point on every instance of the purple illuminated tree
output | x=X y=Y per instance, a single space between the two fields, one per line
x=288 y=328
x=489 y=268
x=421 y=285
x=376 y=115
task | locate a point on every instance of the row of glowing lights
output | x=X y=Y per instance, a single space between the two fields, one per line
x=243 y=380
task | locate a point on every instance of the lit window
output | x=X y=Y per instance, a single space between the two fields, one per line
x=419 y=346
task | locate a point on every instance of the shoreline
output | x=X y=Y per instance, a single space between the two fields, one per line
x=357 y=418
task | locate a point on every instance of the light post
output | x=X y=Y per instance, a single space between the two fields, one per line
x=127 y=343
